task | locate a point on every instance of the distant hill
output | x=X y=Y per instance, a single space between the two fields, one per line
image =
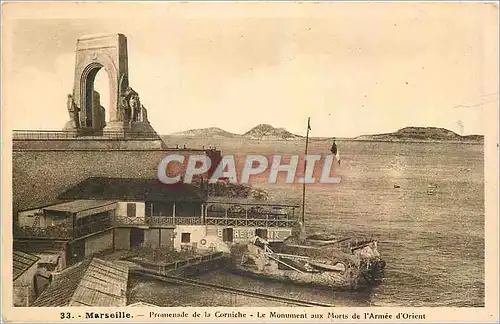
x=205 y=132
x=259 y=132
x=266 y=131
x=422 y=134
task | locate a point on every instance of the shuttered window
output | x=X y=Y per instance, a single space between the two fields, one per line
x=131 y=210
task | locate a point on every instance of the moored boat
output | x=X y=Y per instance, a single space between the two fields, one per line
x=337 y=262
x=351 y=266
x=367 y=261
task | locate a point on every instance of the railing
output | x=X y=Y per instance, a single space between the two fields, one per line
x=63 y=231
x=156 y=221
x=81 y=134
x=53 y=232
x=67 y=232
x=249 y=222
x=123 y=220
x=94 y=227
x=252 y=215
x=224 y=221
x=169 y=221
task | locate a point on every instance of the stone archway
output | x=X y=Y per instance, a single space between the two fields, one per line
x=92 y=54
x=126 y=113
x=92 y=114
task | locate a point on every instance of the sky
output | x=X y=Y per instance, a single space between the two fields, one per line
x=354 y=68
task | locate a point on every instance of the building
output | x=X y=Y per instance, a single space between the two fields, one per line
x=183 y=216
x=78 y=226
x=90 y=283
x=52 y=253
x=121 y=214
x=24 y=271
x=107 y=214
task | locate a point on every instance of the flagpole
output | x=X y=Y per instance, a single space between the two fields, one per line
x=305 y=166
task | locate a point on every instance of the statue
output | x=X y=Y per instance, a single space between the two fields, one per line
x=100 y=118
x=135 y=106
x=144 y=114
x=123 y=109
x=73 y=111
x=129 y=92
x=130 y=108
x=129 y=104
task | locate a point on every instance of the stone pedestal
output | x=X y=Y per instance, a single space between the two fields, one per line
x=70 y=130
x=70 y=126
x=142 y=128
x=116 y=129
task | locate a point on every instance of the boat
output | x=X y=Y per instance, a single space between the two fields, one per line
x=323 y=260
x=360 y=255
x=345 y=264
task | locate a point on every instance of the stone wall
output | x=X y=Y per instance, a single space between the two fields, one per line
x=106 y=144
x=39 y=176
x=99 y=242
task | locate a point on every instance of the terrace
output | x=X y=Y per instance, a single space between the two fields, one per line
x=66 y=221
x=143 y=203
x=69 y=222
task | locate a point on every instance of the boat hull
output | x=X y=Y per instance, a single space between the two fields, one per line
x=290 y=277
x=334 y=269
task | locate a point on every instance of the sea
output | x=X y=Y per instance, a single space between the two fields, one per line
x=433 y=243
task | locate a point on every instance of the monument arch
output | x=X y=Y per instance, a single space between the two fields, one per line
x=92 y=115
x=126 y=113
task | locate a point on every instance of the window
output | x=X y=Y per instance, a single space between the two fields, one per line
x=131 y=209
x=186 y=237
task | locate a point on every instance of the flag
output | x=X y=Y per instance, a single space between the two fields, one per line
x=335 y=151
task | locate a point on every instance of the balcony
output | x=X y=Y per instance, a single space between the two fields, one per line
x=161 y=221
x=93 y=227
x=49 y=232
x=125 y=221
x=64 y=230
x=249 y=222
x=169 y=221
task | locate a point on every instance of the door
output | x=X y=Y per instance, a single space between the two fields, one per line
x=227 y=234
x=166 y=237
x=136 y=237
x=76 y=252
x=261 y=232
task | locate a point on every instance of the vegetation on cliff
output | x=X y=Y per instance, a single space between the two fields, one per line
x=422 y=134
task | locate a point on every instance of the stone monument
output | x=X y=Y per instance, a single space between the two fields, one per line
x=127 y=116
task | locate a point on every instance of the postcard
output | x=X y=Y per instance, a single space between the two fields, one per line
x=250 y=162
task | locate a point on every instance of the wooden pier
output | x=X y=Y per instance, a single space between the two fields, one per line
x=187 y=267
x=178 y=271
